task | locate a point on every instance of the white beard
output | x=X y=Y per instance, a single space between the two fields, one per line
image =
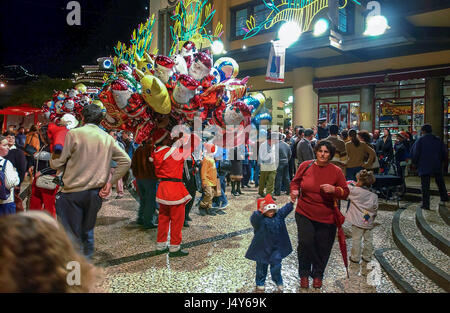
x=163 y=73
x=180 y=66
x=198 y=70
x=182 y=94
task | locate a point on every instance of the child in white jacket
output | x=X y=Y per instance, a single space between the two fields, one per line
x=7 y=206
x=361 y=214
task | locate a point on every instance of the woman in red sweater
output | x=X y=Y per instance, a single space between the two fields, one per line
x=316 y=184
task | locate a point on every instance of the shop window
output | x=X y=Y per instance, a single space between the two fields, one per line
x=342 y=110
x=407 y=93
x=240 y=14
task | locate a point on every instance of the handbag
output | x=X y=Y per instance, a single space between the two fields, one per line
x=45 y=181
x=29 y=149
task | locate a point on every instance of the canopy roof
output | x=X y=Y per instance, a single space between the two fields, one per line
x=23 y=110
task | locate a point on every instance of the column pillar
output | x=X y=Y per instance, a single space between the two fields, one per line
x=367 y=94
x=305 y=98
x=434 y=109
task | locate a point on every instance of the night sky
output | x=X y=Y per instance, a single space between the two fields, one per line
x=35 y=34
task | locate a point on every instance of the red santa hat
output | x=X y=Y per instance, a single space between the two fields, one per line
x=204 y=58
x=266 y=204
x=164 y=61
x=189 y=45
x=159 y=135
x=188 y=82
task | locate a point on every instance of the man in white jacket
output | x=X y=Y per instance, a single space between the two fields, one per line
x=11 y=179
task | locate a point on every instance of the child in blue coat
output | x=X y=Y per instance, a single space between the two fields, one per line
x=271 y=241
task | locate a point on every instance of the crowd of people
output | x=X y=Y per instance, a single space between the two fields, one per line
x=316 y=167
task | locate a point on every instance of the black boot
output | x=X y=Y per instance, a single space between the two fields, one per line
x=239 y=188
x=233 y=188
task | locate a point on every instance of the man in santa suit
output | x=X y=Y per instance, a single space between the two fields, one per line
x=172 y=196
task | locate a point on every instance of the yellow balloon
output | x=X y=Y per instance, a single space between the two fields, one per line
x=99 y=103
x=81 y=88
x=155 y=94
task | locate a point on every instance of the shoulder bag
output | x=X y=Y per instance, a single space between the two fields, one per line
x=45 y=181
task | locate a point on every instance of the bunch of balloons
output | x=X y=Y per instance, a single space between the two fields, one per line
x=71 y=101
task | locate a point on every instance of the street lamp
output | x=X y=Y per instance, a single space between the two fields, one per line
x=320 y=27
x=2 y=85
x=376 y=25
x=289 y=33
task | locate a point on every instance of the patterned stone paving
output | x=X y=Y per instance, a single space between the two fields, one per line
x=216 y=262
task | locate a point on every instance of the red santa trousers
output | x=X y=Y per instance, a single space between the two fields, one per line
x=41 y=196
x=172 y=215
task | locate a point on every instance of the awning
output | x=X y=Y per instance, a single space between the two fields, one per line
x=23 y=110
x=379 y=78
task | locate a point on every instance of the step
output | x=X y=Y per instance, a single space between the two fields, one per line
x=434 y=229
x=444 y=212
x=403 y=274
x=432 y=262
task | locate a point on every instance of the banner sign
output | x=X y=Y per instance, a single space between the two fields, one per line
x=275 y=65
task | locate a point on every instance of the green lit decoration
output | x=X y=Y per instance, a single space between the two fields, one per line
x=300 y=11
x=190 y=26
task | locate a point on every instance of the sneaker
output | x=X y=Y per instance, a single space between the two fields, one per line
x=223 y=206
x=353 y=267
x=178 y=253
x=260 y=289
x=364 y=269
x=185 y=224
x=202 y=212
x=152 y=226
x=220 y=212
x=211 y=212
x=165 y=250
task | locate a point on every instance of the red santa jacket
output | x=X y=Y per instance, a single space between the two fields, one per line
x=169 y=163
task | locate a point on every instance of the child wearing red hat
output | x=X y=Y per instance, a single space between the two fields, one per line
x=271 y=241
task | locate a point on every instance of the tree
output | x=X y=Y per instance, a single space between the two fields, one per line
x=39 y=91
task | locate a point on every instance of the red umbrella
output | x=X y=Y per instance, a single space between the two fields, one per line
x=339 y=220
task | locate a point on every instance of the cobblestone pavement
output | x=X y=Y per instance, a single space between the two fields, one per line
x=217 y=245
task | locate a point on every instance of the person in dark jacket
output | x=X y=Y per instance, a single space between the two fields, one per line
x=322 y=129
x=20 y=138
x=385 y=152
x=429 y=154
x=282 y=180
x=147 y=184
x=271 y=243
x=18 y=160
x=401 y=149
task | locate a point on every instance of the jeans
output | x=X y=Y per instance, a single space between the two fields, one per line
x=425 y=180
x=351 y=172
x=261 y=273
x=282 y=178
x=147 y=201
x=7 y=209
x=77 y=212
x=315 y=241
x=222 y=200
x=256 y=174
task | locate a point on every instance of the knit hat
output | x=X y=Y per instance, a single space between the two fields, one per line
x=266 y=204
x=159 y=135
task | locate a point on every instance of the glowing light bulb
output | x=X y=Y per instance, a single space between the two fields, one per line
x=289 y=33
x=320 y=27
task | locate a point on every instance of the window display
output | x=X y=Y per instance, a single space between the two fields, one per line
x=342 y=110
x=400 y=106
